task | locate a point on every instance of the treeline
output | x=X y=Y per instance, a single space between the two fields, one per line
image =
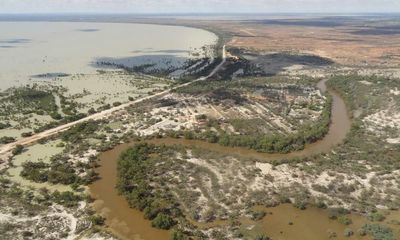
x=148 y=68
x=59 y=171
x=32 y=100
x=6 y=140
x=346 y=86
x=368 y=93
x=67 y=199
x=37 y=100
x=65 y=120
x=135 y=169
x=29 y=100
x=80 y=131
x=68 y=106
x=4 y=125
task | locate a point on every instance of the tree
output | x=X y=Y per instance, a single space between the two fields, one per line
x=91 y=111
x=188 y=135
x=26 y=134
x=18 y=150
x=116 y=104
x=56 y=116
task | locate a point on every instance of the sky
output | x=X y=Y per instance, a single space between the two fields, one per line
x=198 y=6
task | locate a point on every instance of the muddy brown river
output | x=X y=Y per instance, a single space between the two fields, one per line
x=128 y=223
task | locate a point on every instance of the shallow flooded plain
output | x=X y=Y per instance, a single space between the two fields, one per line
x=64 y=57
x=45 y=50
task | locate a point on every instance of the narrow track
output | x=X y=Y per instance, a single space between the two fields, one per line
x=51 y=132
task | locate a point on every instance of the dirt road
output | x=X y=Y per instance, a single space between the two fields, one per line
x=48 y=133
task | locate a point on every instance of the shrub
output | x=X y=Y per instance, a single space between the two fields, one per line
x=345 y=220
x=178 y=235
x=348 y=232
x=262 y=237
x=163 y=221
x=300 y=204
x=376 y=217
x=97 y=220
x=258 y=215
x=201 y=117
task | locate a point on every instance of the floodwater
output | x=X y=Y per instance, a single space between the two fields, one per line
x=130 y=224
x=124 y=221
x=29 y=50
x=36 y=153
x=286 y=222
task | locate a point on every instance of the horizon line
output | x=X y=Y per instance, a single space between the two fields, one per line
x=195 y=13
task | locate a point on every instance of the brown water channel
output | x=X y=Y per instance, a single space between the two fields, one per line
x=128 y=223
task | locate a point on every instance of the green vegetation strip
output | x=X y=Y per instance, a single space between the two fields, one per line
x=134 y=176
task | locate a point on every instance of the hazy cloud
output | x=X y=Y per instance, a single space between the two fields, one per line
x=168 y=6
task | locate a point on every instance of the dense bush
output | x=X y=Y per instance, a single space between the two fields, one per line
x=66 y=119
x=59 y=171
x=6 y=140
x=378 y=232
x=80 y=131
x=134 y=181
x=54 y=173
x=35 y=171
x=34 y=99
x=376 y=217
x=97 y=220
x=67 y=199
x=178 y=235
x=4 y=125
